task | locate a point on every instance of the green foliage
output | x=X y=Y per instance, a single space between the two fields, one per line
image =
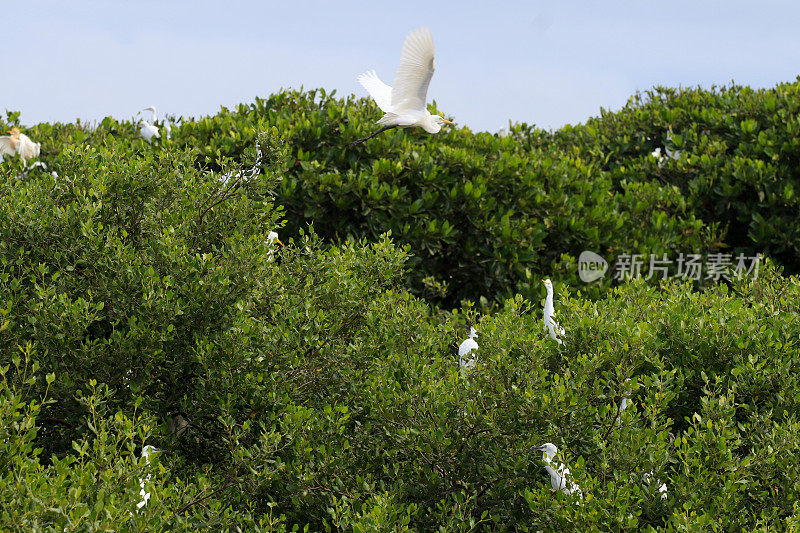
x=304 y=388
x=484 y=215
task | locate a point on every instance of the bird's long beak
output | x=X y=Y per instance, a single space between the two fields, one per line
x=160 y=450
x=279 y=241
x=537 y=448
x=448 y=122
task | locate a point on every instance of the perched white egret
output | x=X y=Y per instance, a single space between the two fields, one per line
x=466 y=347
x=19 y=143
x=154 y=118
x=549 y=314
x=147 y=130
x=662 y=487
x=560 y=476
x=272 y=239
x=152 y=109
x=404 y=104
x=146 y=451
x=27 y=148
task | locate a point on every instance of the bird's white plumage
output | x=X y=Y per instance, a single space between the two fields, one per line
x=404 y=104
x=19 y=143
x=415 y=71
x=560 y=476
x=662 y=487
x=148 y=131
x=8 y=146
x=549 y=314
x=152 y=109
x=379 y=91
x=146 y=451
x=272 y=237
x=272 y=240
x=465 y=348
x=27 y=148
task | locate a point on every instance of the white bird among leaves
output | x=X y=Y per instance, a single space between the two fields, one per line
x=662 y=488
x=465 y=348
x=19 y=143
x=146 y=451
x=657 y=154
x=152 y=109
x=272 y=239
x=404 y=104
x=549 y=314
x=560 y=476
x=147 y=130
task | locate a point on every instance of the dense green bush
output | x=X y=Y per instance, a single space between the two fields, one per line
x=484 y=215
x=304 y=387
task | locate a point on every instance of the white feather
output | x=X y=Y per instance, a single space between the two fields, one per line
x=414 y=74
x=379 y=91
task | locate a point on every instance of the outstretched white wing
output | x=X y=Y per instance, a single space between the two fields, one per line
x=414 y=73
x=380 y=92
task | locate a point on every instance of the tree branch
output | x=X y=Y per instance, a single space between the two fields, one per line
x=198 y=500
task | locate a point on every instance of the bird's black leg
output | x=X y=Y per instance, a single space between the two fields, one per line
x=359 y=141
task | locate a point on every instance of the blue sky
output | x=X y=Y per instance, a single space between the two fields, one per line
x=544 y=63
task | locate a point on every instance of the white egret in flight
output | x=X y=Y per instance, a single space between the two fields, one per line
x=404 y=104
x=467 y=346
x=560 y=476
x=549 y=314
x=146 y=451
